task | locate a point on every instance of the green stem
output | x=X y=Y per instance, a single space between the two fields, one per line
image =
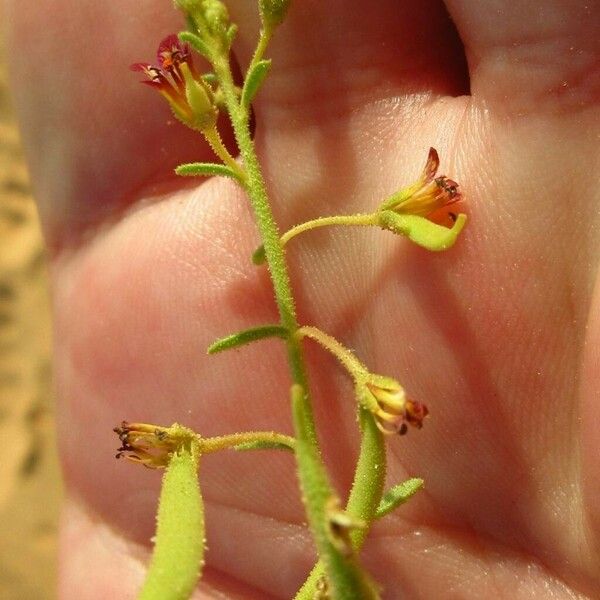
x=352 y=220
x=311 y=469
x=213 y=137
x=263 y=42
x=222 y=442
x=345 y=356
x=365 y=495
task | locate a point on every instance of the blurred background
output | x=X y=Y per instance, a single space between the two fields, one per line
x=29 y=473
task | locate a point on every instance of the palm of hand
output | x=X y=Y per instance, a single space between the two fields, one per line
x=490 y=334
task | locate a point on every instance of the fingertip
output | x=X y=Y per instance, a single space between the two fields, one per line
x=590 y=415
x=96 y=140
x=529 y=57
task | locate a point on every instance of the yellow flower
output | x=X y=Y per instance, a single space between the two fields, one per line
x=388 y=402
x=151 y=445
x=415 y=210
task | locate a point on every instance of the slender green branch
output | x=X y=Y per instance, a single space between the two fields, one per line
x=216 y=143
x=259 y=439
x=263 y=41
x=345 y=356
x=363 y=220
x=342 y=572
x=365 y=495
x=353 y=585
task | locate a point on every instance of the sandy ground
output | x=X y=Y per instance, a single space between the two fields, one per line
x=29 y=474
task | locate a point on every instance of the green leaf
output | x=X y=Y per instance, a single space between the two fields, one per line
x=231 y=33
x=246 y=336
x=422 y=231
x=263 y=445
x=178 y=554
x=195 y=42
x=205 y=170
x=254 y=79
x=398 y=495
x=258 y=256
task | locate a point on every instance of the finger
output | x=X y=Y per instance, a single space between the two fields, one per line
x=83 y=118
x=96 y=140
x=118 y=565
x=590 y=419
x=531 y=56
x=331 y=56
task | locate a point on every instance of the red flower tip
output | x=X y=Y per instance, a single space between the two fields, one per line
x=171 y=52
x=175 y=78
x=428 y=194
x=415 y=413
x=431 y=166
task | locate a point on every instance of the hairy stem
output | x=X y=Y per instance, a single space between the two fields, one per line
x=263 y=42
x=365 y=495
x=345 y=356
x=222 y=442
x=352 y=220
x=311 y=469
x=213 y=137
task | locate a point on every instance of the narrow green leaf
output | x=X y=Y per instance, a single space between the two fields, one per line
x=398 y=495
x=258 y=256
x=178 y=554
x=422 y=231
x=245 y=337
x=254 y=79
x=231 y=33
x=205 y=170
x=263 y=445
x=195 y=42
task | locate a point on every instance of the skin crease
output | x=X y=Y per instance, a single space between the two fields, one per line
x=498 y=336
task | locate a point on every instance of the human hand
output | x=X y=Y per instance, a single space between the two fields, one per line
x=497 y=335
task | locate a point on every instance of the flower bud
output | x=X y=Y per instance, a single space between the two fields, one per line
x=200 y=100
x=272 y=12
x=387 y=401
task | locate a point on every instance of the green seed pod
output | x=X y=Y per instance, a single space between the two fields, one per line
x=178 y=554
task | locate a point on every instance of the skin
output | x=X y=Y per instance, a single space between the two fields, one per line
x=498 y=336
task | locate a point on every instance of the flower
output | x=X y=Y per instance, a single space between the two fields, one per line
x=428 y=194
x=175 y=78
x=413 y=210
x=151 y=445
x=387 y=400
